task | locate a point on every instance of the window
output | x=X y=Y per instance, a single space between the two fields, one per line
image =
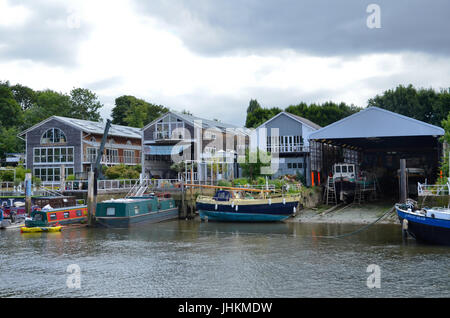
x=344 y=169
x=338 y=169
x=128 y=156
x=110 y=211
x=79 y=213
x=294 y=165
x=289 y=165
x=53 y=216
x=53 y=136
x=112 y=155
x=50 y=174
x=136 y=209
x=350 y=168
x=91 y=154
x=300 y=165
x=66 y=215
x=53 y=155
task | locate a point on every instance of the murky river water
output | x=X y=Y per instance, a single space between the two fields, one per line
x=193 y=259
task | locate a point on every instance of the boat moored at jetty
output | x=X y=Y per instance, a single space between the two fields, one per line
x=55 y=211
x=238 y=207
x=430 y=225
x=125 y=212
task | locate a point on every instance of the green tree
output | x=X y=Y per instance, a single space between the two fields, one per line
x=254 y=162
x=84 y=104
x=132 y=111
x=25 y=96
x=11 y=113
x=9 y=142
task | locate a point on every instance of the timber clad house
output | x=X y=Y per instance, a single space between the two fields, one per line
x=191 y=138
x=73 y=143
x=291 y=144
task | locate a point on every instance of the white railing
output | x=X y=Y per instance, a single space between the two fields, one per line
x=433 y=189
x=281 y=148
x=113 y=159
x=163 y=135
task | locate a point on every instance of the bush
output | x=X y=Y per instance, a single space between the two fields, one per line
x=70 y=177
x=121 y=172
x=240 y=181
x=224 y=183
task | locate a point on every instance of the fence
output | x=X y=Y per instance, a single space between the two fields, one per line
x=433 y=189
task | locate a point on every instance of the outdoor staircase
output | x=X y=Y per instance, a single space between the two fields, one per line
x=139 y=188
x=330 y=196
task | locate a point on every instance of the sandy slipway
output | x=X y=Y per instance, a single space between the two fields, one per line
x=347 y=214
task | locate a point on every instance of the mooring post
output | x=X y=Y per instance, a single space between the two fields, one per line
x=28 y=193
x=403 y=193
x=183 y=201
x=62 y=180
x=92 y=198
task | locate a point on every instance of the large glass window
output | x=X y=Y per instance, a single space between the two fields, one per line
x=51 y=174
x=128 y=156
x=53 y=155
x=53 y=136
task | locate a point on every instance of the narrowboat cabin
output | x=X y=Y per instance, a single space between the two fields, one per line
x=123 y=213
x=53 y=211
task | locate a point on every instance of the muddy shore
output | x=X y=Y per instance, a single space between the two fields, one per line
x=348 y=214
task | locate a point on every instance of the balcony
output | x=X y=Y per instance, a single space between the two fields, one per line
x=112 y=160
x=287 y=148
x=167 y=135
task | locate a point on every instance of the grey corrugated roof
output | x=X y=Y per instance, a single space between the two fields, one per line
x=306 y=121
x=99 y=127
x=376 y=122
x=205 y=122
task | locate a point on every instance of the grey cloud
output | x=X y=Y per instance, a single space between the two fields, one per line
x=318 y=27
x=45 y=37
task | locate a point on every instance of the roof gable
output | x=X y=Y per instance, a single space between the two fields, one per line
x=376 y=122
x=299 y=119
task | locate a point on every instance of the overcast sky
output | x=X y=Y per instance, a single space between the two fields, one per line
x=212 y=56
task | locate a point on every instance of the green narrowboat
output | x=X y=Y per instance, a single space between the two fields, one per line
x=123 y=213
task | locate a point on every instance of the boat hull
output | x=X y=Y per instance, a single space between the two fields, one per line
x=147 y=218
x=426 y=229
x=240 y=217
x=246 y=213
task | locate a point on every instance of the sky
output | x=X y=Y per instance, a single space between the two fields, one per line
x=212 y=56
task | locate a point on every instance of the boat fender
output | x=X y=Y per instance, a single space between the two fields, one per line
x=270 y=201
x=432 y=215
x=232 y=205
x=215 y=206
x=236 y=207
x=284 y=200
x=295 y=210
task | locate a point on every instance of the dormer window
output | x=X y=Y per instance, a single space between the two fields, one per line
x=53 y=136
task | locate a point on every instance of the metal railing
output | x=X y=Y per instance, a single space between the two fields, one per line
x=163 y=135
x=283 y=148
x=433 y=189
x=109 y=159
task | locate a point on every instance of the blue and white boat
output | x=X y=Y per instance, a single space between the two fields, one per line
x=430 y=225
x=225 y=206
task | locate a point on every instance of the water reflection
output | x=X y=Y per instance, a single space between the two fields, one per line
x=197 y=259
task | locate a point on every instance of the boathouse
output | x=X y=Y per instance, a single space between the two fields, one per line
x=291 y=143
x=212 y=144
x=74 y=143
x=376 y=139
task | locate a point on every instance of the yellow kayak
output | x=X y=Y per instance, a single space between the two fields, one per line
x=40 y=229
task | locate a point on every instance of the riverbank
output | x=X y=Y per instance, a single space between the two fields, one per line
x=348 y=214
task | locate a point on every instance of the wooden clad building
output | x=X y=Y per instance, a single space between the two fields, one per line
x=73 y=143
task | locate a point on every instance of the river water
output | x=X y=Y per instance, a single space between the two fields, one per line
x=193 y=259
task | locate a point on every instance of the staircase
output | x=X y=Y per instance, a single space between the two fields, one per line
x=139 y=188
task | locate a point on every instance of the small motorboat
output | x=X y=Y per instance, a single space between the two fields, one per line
x=430 y=225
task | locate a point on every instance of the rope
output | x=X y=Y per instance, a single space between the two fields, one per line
x=365 y=227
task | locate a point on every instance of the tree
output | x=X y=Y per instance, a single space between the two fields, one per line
x=254 y=162
x=24 y=95
x=131 y=111
x=48 y=103
x=11 y=114
x=423 y=104
x=9 y=143
x=84 y=104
